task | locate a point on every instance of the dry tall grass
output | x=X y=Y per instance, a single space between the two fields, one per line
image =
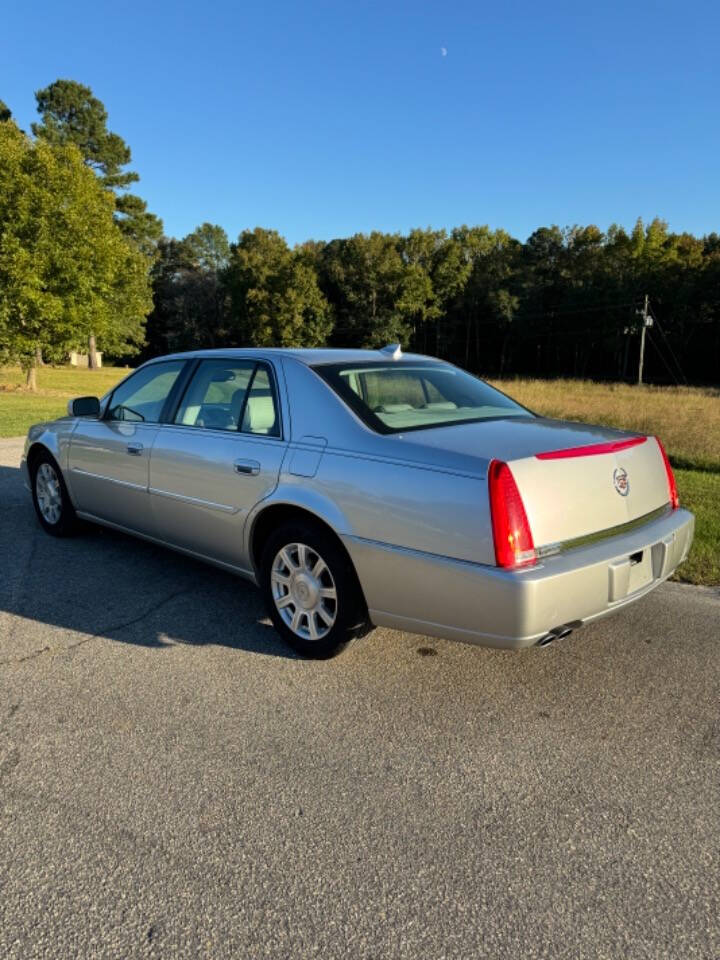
x=687 y=419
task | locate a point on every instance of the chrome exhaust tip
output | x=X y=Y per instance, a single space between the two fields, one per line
x=557 y=633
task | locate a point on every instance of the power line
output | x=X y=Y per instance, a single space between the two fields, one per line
x=662 y=357
x=572 y=311
x=544 y=314
x=645 y=324
x=670 y=349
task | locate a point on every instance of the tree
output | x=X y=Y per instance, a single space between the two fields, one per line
x=420 y=301
x=368 y=283
x=137 y=223
x=5 y=112
x=484 y=300
x=209 y=248
x=71 y=114
x=274 y=295
x=65 y=267
x=189 y=292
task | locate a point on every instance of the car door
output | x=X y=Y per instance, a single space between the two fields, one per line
x=109 y=458
x=220 y=456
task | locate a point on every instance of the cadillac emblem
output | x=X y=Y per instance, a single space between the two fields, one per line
x=620 y=481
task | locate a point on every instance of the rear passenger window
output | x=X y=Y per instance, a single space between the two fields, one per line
x=230 y=395
x=260 y=415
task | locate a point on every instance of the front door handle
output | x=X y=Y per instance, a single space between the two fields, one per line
x=247 y=467
x=135 y=449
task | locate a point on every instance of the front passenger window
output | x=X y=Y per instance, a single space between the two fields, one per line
x=141 y=398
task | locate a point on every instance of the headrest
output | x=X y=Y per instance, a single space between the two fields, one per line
x=259 y=414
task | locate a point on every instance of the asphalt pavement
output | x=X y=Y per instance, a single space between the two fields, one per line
x=175 y=783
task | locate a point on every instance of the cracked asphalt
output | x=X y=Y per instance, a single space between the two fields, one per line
x=174 y=784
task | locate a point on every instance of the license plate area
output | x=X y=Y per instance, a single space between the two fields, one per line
x=629 y=574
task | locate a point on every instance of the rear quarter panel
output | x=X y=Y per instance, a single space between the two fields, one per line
x=375 y=487
x=408 y=506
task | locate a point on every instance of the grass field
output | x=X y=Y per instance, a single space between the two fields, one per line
x=686 y=418
x=56 y=385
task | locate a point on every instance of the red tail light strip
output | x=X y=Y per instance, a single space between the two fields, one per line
x=593 y=450
x=672 y=486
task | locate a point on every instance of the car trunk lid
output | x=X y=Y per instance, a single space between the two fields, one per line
x=574 y=491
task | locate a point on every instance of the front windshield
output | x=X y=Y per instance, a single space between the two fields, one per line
x=392 y=397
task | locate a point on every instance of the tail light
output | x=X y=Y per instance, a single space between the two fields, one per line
x=514 y=545
x=672 y=486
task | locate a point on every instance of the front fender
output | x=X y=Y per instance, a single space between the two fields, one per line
x=53 y=437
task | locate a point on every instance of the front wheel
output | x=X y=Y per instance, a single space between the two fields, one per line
x=50 y=497
x=311 y=590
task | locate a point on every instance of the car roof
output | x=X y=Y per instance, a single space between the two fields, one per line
x=308 y=356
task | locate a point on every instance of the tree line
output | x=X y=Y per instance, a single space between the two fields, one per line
x=82 y=260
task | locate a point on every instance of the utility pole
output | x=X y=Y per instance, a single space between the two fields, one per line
x=647 y=322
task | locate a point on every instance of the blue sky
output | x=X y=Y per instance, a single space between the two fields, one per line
x=321 y=119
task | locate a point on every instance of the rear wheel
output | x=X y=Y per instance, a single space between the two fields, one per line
x=311 y=590
x=50 y=497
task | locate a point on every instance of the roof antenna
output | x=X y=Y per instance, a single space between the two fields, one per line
x=393 y=350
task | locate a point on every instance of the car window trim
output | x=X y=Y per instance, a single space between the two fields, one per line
x=170 y=414
x=178 y=390
x=374 y=423
x=251 y=381
x=158 y=363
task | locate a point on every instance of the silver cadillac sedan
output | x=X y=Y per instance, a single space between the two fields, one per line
x=360 y=488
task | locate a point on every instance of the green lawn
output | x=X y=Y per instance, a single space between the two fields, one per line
x=700 y=492
x=689 y=420
x=56 y=385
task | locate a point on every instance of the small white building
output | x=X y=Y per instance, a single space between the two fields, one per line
x=81 y=359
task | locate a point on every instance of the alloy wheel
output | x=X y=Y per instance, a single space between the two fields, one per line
x=304 y=592
x=49 y=494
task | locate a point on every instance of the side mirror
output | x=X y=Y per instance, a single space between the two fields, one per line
x=84 y=407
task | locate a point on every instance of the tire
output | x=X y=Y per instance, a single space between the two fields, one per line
x=50 y=497
x=325 y=610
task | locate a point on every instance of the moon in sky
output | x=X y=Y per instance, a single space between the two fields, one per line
x=443 y=51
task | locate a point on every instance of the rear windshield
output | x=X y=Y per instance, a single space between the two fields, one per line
x=392 y=397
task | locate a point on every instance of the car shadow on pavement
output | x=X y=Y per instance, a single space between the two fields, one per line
x=108 y=584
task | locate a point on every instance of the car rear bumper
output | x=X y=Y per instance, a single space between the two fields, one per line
x=436 y=596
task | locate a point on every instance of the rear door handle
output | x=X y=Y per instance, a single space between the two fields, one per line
x=247 y=467
x=135 y=449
